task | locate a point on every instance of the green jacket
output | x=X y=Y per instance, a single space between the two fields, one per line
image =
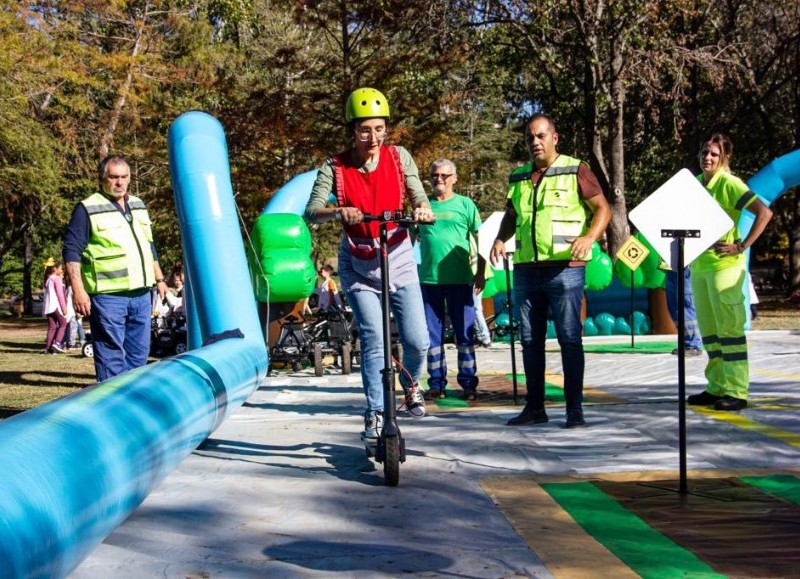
x=118 y=256
x=548 y=214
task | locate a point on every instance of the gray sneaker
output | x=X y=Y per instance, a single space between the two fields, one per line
x=373 y=422
x=415 y=402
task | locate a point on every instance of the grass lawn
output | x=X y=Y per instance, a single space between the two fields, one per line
x=27 y=376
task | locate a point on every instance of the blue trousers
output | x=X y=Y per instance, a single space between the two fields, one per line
x=691 y=334
x=456 y=301
x=120 y=325
x=558 y=290
x=406 y=307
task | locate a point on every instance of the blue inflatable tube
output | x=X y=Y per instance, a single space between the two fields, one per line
x=75 y=468
x=294 y=195
x=771 y=182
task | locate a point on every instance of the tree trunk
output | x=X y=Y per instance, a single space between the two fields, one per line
x=27 y=293
x=618 y=230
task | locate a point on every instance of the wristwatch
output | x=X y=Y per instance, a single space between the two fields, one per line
x=160 y=280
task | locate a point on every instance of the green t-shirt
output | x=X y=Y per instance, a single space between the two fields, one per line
x=445 y=245
x=733 y=195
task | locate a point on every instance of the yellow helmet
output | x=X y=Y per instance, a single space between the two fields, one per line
x=366 y=103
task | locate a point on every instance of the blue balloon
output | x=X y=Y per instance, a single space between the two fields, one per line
x=621 y=326
x=604 y=323
x=589 y=327
x=641 y=323
x=551 y=329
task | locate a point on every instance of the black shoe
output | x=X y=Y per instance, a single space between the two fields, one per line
x=529 y=415
x=730 y=404
x=470 y=394
x=434 y=394
x=703 y=399
x=575 y=419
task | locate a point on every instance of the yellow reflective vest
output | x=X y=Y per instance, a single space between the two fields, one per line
x=549 y=213
x=118 y=256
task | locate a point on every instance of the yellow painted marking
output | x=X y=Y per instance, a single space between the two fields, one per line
x=564 y=547
x=561 y=544
x=776 y=373
x=791 y=438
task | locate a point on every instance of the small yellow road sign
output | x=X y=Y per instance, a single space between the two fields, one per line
x=632 y=253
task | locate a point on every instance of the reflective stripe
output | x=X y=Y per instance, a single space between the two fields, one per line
x=744 y=200
x=737 y=341
x=117 y=274
x=555 y=171
x=104 y=208
x=435 y=351
x=734 y=356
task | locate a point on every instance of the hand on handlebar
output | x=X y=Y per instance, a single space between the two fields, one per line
x=424 y=214
x=350 y=215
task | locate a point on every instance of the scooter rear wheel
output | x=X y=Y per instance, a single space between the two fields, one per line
x=391 y=462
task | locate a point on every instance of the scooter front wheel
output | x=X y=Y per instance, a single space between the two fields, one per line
x=391 y=461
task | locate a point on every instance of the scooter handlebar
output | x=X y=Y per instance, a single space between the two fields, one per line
x=394 y=217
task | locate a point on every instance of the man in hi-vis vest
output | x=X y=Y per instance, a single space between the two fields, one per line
x=557 y=210
x=112 y=264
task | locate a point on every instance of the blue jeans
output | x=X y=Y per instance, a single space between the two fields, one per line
x=120 y=325
x=691 y=332
x=406 y=306
x=456 y=300
x=558 y=290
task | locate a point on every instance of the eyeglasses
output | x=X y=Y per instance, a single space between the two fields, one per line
x=366 y=134
x=442 y=176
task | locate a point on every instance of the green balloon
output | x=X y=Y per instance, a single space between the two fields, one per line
x=500 y=280
x=624 y=275
x=654 y=279
x=490 y=288
x=599 y=271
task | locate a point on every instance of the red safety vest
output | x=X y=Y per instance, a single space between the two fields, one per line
x=375 y=192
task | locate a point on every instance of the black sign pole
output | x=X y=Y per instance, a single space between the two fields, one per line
x=631 y=318
x=680 y=235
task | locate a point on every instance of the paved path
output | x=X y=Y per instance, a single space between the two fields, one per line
x=283 y=488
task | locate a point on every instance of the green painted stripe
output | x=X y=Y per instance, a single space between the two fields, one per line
x=646 y=551
x=625 y=348
x=783 y=486
x=552 y=392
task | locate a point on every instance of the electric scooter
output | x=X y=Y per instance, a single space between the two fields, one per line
x=389 y=448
